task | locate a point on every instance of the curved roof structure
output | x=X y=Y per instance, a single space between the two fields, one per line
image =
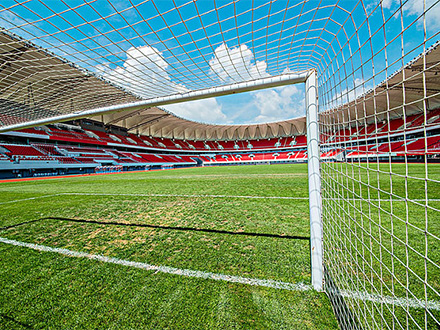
x=36 y=84
x=161 y=123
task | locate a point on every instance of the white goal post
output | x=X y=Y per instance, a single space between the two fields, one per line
x=314 y=175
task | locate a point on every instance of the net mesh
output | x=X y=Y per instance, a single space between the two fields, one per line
x=379 y=102
x=81 y=55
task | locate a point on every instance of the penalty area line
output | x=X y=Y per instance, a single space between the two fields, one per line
x=189 y=196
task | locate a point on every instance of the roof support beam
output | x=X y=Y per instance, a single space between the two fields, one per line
x=157 y=117
x=269 y=82
x=131 y=114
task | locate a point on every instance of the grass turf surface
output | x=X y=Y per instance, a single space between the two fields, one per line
x=219 y=235
x=255 y=238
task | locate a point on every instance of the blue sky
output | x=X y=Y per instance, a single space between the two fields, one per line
x=150 y=51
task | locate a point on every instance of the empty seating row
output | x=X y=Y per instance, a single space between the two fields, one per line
x=104 y=138
x=383 y=128
x=410 y=147
x=20 y=150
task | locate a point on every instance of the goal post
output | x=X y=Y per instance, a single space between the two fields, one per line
x=314 y=178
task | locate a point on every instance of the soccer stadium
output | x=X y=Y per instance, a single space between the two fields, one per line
x=236 y=164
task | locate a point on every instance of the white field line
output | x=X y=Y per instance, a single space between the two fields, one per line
x=209 y=196
x=28 y=199
x=229 y=176
x=401 y=302
x=164 y=269
x=395 y=199
x=364 y=296
x=190 y=196
x=249 y=197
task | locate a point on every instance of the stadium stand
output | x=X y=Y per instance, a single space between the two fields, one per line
x=21 y=150
x=91 y=148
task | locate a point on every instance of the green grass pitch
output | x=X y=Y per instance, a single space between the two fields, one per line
x=182 y=219
x=49 y=290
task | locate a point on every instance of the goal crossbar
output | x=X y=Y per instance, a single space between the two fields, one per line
x=247 y=86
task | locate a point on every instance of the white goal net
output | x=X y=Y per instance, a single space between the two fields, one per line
x=380 y=147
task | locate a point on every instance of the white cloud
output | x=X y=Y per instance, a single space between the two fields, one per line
x=207 y=110
x=416 y=7
x=230 y=65
x=278 y=104
x=236 y=64
x=144 y=72
x=269 y=105
x=387 y=3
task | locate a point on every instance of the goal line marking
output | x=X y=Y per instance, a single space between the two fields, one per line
x=389 y=300
x=164 y=269
x=364 y=296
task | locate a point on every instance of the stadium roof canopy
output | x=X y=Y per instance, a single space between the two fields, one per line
x=406 y=90
x=161 y=123
x=119 y=61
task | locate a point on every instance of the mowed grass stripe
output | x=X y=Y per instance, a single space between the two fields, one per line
x=229 y=176
x=271 y=180
x=396 y=199
x=189 y=196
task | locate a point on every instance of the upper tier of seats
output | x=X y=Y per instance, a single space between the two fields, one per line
x=102 y=138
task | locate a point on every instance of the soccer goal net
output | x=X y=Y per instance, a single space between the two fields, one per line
x=380 y=144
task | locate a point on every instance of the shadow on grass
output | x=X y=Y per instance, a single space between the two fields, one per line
x=346 y=319
x=20 y=224
x=17 y=323
x=204 y=230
